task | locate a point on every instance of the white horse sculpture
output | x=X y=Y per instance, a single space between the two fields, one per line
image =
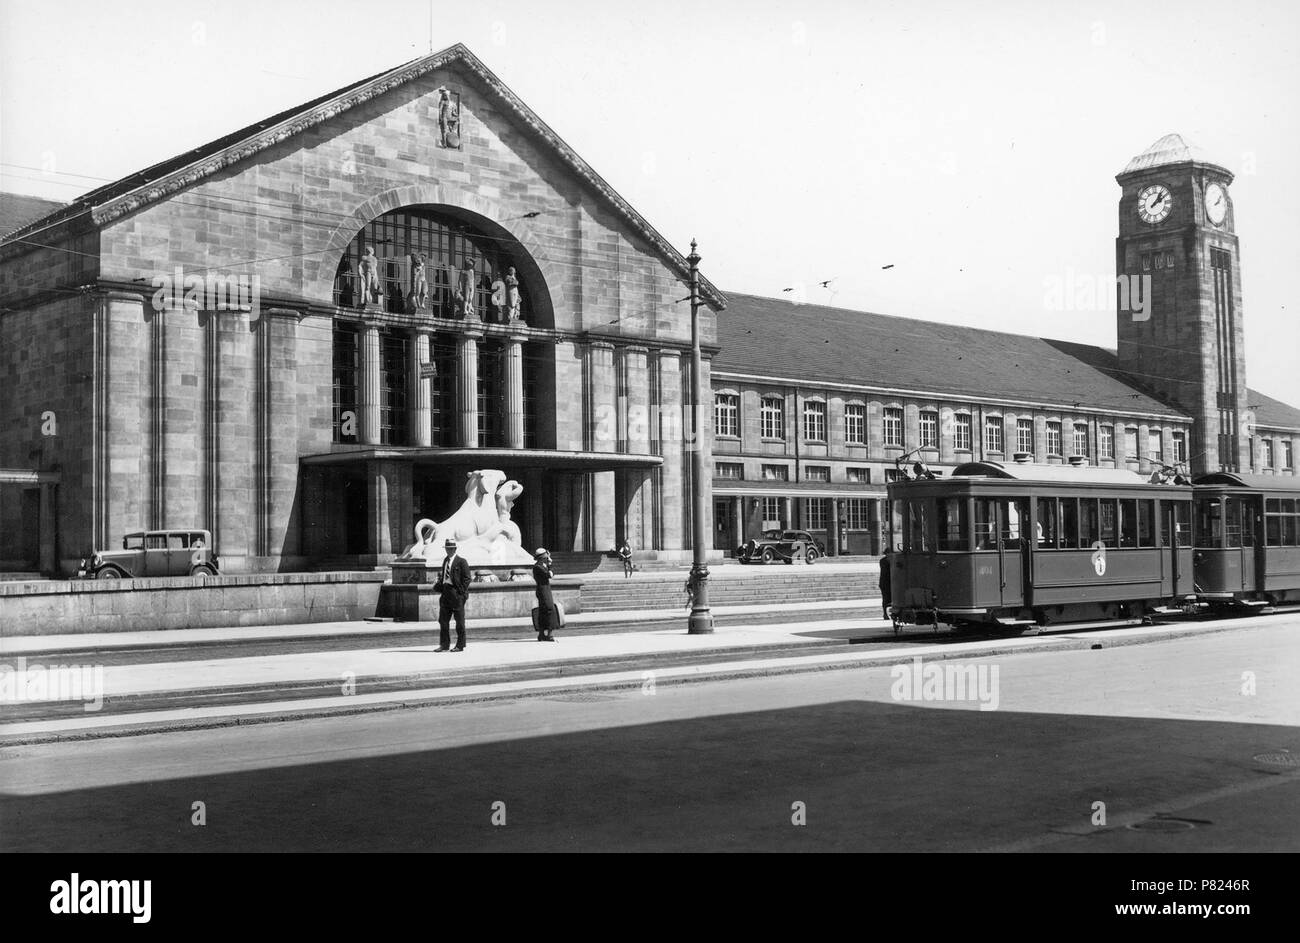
x=481 y=527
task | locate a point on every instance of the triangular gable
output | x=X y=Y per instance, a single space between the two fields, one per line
x=129 y=194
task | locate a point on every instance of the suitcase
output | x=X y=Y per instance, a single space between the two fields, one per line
x=559 y=617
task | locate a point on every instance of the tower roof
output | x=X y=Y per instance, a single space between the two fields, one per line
x=1170 y=149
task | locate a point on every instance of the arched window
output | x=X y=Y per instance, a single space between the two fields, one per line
x=446 y=243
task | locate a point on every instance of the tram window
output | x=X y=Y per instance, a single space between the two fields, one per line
x=1249 y=509
x=1069 y=522
x=1109 y=531
x=953 y=519
x=895 y=526
x=1146 y=528
x=1011 y=523
x=1232 y=522
x=1209 y=523
x=1088 y=532
x=1128 y=525
x=1047 y=522
x=1273 y=529
x=1183 y=523
x=985 y=524
x=917 y=531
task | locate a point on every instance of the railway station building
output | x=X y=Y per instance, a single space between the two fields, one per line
x=304 y=336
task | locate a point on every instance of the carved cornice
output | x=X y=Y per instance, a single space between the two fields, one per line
x=455 y=55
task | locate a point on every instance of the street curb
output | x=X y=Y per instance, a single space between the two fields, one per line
x=631 y=678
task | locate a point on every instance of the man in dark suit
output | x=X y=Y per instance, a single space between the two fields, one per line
x=453 y=584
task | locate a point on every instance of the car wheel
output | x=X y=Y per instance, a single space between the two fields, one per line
x=812 y=555
x=108 y=573
x=768 y=555
x=204 y=571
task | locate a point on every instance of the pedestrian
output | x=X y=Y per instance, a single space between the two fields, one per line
x=547 y=617
x=625 y=554
x=453 y=585
x=885 y=594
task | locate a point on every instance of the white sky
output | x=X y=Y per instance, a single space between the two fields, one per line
x=973 y=146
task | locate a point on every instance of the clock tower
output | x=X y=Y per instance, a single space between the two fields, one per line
x=1179 y=322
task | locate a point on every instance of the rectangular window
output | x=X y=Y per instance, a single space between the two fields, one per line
x=442 y=398
x=893 y=425
x=735 y=471
x=1209 y=522
x=816 y=473
x=776 y=473
x=859 y=475
x=772 y=418
x=491 y=386
x=961 y=432
x=1128 y=524
x=893 y=474
x=1268 y=452
x=1025 y=436
x=929 y=430
x=918 y=529
x=953 y=519
x=773 y=508
x=986 y=524
x=895 y=526
x=814 y=513
x=993 y=434
x=1288 y=455
x=855 y=424
x=393 y=352
x=1080 y=439
x=1069 y=513
x=726 y=415
x=857 y=513
x=1089 y=532
x=1130 y=444
x=1155 y=446
x=1106 y=441
x=1180 y=448
x=1146 y=524
x=1109 y=522
x=347 y=356
x=1046 y=523
x=814 y=420
x=1053 y=438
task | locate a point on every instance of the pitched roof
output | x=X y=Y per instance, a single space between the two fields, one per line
x=1272 y=412
x=176 y=173
x=19 y=209
x=1170 y=149
x=775 y=338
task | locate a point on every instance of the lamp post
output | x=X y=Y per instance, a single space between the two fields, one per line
x=701 y=621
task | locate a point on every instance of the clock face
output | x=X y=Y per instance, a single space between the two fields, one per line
x=1216 y=203
x=1154 y=203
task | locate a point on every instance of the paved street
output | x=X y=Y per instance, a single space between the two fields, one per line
x=1162 y=733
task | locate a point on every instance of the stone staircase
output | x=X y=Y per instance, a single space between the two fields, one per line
x=756 y=587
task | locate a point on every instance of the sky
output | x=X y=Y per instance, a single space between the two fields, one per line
x=972 y=147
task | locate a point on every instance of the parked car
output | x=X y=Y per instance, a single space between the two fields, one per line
x=154 y=553
x=784 y=545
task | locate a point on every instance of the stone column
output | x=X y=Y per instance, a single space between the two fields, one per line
x=738 y=522
x=601 y=431
x=47 y=531
x=789 y=513
x=514 y=391
x=368 y=384
x=673 y=494
x=421 y=390
x=467 y=384
x=833 y=528
x=640 y=507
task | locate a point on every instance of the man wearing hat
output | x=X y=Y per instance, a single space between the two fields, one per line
x=546 y=616
x=453 y=584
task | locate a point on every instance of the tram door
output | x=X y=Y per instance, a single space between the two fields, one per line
x=1014 y=551
x=1239 y=527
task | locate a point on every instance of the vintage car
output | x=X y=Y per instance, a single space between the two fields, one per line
x=154 y=553
x=784 y=545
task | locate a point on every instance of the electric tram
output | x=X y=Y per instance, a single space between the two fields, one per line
x=1020 y=544
x=1247 y=537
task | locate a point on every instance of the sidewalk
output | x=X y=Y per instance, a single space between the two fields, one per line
x=168 y=695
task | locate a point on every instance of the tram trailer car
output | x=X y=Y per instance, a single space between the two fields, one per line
x=1021 y=544
x=1247 y=536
